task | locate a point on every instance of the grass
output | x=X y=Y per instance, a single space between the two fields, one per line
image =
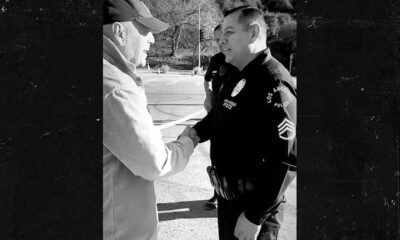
x=183 y=59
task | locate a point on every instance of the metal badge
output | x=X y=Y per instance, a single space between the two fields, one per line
x=238 y=87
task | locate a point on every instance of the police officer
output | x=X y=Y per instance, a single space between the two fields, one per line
x=216 y=74
x=252 y=129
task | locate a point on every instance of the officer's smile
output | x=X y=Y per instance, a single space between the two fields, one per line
x=225 y=50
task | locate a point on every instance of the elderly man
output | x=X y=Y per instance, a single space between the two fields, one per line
x=252 y=129
x=134 y=154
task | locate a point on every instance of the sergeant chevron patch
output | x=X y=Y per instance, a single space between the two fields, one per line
x=287 y=130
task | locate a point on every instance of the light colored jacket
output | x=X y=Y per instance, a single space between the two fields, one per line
x=134 y=154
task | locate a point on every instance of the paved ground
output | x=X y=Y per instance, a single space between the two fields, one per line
x=181 y=197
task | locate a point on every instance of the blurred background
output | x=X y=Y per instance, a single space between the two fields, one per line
x=177 y=48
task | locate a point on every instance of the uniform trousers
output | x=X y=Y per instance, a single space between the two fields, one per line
x=229 y=212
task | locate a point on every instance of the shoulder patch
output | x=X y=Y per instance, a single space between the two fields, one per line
x=287 y=130
x=279 y=97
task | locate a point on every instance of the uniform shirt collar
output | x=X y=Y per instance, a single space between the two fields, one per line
x=264 y=56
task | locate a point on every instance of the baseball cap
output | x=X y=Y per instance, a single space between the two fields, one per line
x=131 y=10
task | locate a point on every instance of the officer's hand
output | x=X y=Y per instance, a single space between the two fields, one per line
x=193 y=136
x=190 y=132
x=207 y=104
x=246 y=230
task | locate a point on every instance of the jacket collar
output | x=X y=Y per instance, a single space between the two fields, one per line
x=112 y=54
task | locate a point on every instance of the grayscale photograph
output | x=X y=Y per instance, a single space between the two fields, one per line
x=199 y=131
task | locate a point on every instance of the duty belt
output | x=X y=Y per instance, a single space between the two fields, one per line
x=229 y=188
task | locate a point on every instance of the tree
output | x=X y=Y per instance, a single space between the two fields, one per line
x=223 y=4
x=283 y=44
x=182 y=16
x=286 y=6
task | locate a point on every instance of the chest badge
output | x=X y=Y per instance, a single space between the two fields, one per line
x=238 y=87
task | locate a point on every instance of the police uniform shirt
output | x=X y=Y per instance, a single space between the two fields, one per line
x=252 y=129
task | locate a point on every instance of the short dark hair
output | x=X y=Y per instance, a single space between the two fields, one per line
x=249 y=15
x=227 y=12
x=218 y=27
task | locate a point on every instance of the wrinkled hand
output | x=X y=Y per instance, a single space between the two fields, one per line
x=246 y=230
x=194 y=137
x=207 y=104
x=190 y=132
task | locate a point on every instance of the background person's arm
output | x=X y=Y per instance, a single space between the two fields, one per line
x=209 y=95
x=208 y=78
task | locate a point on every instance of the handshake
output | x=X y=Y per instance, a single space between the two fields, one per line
x=190 y=132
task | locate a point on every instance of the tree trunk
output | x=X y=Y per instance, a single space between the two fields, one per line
x=195 y=60
x=178 y=39
x=175 y=40
x=173 y=47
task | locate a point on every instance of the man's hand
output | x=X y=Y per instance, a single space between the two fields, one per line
x=185 y=132
x=190 y=132
x=193 y=136
x=207 y=103
x=246 y=230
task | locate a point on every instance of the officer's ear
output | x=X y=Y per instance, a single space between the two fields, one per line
x=119 y=32
x=254 y=31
